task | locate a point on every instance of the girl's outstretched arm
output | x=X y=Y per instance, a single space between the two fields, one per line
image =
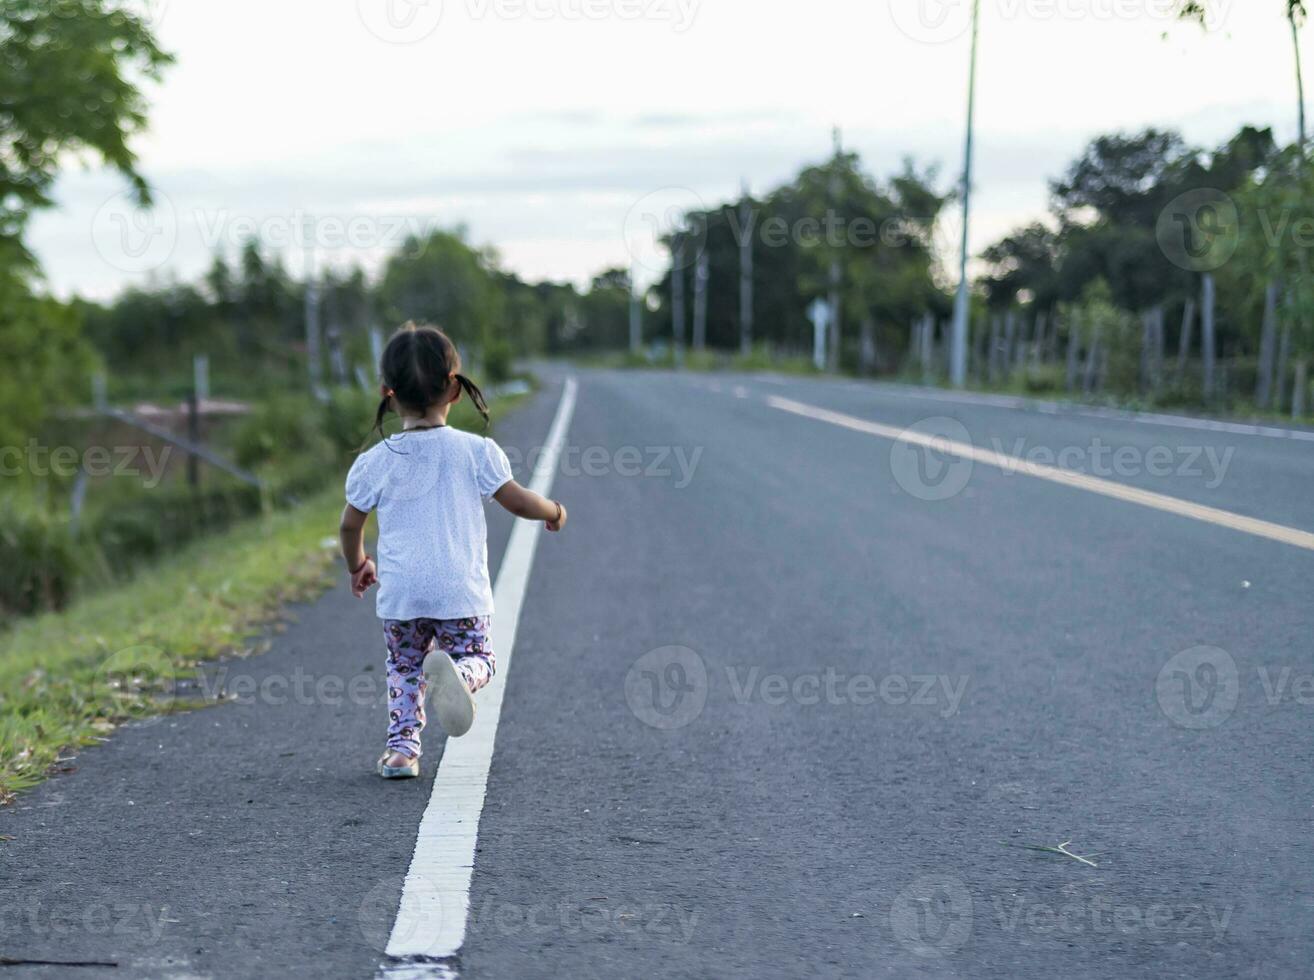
x=351 y=531
x=530 y=505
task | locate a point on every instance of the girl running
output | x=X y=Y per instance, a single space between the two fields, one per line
x=427 y=485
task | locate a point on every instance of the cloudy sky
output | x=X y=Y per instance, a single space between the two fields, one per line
x=557 y=131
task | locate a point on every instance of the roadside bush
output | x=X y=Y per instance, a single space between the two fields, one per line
x=284 y=426
x=41 y=560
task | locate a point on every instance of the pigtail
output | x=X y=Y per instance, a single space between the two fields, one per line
x=379 y=416
x=476 y=396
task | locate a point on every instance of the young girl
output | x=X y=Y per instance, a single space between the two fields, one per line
x=426 y=485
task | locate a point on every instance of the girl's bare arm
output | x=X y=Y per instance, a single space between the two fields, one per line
x=351 y=531
x=530 y=505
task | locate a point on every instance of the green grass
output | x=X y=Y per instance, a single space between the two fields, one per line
x=69 y=678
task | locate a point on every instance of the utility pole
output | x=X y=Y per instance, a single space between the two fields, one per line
x=636 y=338
x=677 y=297
x=746 y=227
x=834 y=318
x=312 y=324
x=958 y=359
x=701 y=273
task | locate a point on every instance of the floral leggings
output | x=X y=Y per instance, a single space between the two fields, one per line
x=409 y=643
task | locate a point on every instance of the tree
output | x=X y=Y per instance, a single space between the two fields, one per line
x=69 y=83
x=70 y=74
x=442 y=280
x=1296 y=13
x=1198 y=11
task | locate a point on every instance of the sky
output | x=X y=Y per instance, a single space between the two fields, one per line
x=564 y=133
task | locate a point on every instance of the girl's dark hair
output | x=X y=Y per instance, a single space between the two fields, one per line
x=418 y=365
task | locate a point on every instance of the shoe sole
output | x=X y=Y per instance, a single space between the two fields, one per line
x=451 y=699
x=399 y=772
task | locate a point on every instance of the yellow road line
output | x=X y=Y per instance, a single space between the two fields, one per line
x=1054 y=474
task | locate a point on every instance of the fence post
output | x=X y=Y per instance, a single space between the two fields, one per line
x=1092 y=355
x=1074 y=342
x=1207 y=349
x=194 y=437
x=1184 y=337
x=1267 y=343
x=701 y=273
x=992 y=358
x=1300 y=390
x=677 y=298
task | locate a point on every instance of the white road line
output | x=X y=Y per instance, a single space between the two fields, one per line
x=1057 y=408
x=1054 y=474
x=435 y=902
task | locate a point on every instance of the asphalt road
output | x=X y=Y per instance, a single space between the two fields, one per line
x=787 y=700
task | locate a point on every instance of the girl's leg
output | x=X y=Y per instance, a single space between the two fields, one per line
x=409 y=642
x=466 y=642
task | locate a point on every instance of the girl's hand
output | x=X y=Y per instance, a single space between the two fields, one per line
x=558 y=522
x=363 y=577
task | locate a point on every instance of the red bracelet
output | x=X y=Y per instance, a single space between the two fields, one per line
x=557 y=519
x=368 y=558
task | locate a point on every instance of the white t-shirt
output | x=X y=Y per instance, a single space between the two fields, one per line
x=428 y=487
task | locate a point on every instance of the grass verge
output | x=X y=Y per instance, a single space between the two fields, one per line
x=69 y=678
